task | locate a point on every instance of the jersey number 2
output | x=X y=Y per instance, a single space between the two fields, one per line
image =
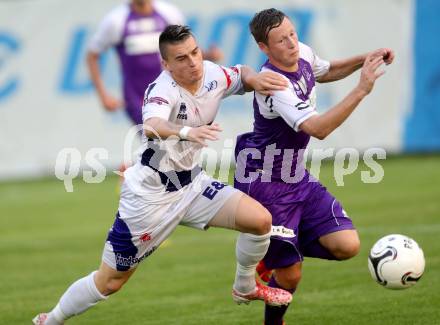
x=269 y=101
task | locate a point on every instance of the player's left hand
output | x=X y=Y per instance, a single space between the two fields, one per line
x=386 y=53
x=268 y=81
x=205 y=132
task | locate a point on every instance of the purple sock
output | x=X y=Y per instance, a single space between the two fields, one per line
x=273 y=315
x=315 y=249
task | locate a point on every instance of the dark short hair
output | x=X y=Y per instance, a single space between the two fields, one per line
x=171 y=35
x=263 y=22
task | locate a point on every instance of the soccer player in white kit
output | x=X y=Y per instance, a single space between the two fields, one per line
x=166 y=187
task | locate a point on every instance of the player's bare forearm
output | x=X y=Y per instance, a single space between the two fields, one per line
x=95 y=74
x=110 y=103
x=320 y=126
x=156 y=127
x=264 y=82
x=339 y=69
x=213 y=53
x=247 y=77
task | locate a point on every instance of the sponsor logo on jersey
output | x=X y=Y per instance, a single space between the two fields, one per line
x=182 y=112
x=306 y=73
x=282 y=232
x=141 y=25
x=132 y=260
x=212 y=85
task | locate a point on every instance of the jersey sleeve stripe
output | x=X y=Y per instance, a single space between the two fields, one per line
x=228 y=78
x=302 y=119
x=302 y=106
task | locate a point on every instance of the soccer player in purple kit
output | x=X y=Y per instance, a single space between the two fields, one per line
x=307 y=220
x=133 y=29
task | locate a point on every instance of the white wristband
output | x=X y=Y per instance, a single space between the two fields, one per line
x=183 y=133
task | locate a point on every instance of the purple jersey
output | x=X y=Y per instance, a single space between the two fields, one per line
x=136 y=39
x=274 y=137
x=277 y=142
x=270 y=167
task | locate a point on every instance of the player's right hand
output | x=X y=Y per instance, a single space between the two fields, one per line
x=203 y=133
x=386 y=53
x=111 y=103
x=370 y=73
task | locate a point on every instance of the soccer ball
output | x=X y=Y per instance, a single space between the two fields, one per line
x=396 y=262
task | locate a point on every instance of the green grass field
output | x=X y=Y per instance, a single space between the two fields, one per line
x=49 y=238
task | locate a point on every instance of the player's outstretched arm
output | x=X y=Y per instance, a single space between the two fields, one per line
x=156 y=127
x=339 y=69
x=319 y=126
x=265 y=82
x=109 y=102
x=213 y=53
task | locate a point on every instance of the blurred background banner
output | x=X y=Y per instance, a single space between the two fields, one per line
x=47 y=101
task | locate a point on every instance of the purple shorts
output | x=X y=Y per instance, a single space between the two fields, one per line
x=301 y=213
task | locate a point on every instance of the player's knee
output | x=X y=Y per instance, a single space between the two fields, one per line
x=114 y=285
x=263 y=221
x=348 y=250
x=289 y=280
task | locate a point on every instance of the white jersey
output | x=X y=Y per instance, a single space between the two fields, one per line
x=296 y=103
x=165 y=99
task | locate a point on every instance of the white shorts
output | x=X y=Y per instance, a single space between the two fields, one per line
x=142 y=225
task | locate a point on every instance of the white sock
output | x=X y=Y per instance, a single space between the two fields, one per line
x=250 y=250
x=79 y=297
